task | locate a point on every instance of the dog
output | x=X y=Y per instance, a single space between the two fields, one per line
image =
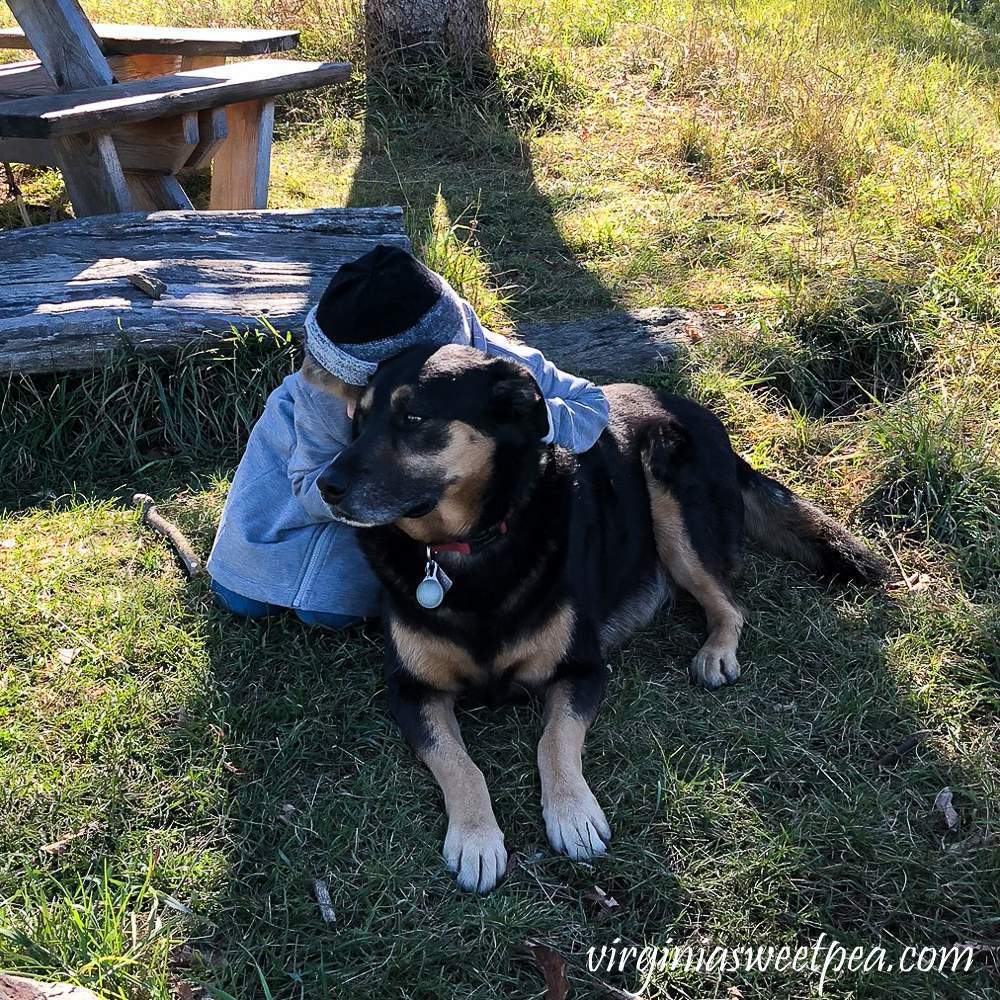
x=510 y=566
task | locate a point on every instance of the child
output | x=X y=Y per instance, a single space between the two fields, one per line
x=278 y=546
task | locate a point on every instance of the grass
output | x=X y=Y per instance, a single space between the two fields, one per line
x=821 y=179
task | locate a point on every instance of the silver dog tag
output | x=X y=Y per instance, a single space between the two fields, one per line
x=433 y=587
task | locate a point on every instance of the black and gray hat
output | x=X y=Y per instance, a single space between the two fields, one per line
x=378 y=305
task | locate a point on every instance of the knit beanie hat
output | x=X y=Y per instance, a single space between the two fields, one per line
x=378 y=305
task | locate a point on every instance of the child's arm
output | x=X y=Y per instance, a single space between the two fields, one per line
x=578 y=409
x=322 y=430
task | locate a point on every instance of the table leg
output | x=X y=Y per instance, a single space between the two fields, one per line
x=242 y=167
x=156 y=193
x=93 y=174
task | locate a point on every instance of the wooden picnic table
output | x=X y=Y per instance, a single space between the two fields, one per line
x=123 y=109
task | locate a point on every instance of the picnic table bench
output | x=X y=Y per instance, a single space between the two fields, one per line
x=123 y=109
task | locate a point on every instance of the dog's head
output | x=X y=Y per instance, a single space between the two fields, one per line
x=445 y=439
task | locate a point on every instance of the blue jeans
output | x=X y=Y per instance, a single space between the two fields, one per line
x=247 y=607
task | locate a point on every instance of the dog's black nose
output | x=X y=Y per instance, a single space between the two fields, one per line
x=333 y=483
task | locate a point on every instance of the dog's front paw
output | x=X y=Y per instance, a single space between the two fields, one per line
x=475 y=852
x=576 y=824
x=714 y=666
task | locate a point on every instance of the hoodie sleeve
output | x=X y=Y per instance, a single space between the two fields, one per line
x=321 y=430
x=578 y=409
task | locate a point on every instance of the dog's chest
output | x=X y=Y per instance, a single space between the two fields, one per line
x=526 y=661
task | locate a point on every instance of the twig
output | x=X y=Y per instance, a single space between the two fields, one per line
x=902 y=572
x=173 y=534
x=894 y=756
x=15 y=191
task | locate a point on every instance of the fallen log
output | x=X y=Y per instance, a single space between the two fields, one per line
x=617 y=344
x=76 y=292
x=69 y=302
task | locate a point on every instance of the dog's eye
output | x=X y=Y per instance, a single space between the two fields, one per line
x=411 y=419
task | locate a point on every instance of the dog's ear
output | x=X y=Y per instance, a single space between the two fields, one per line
x=516 y=398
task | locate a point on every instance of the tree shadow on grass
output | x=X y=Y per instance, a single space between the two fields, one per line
x=431 y=135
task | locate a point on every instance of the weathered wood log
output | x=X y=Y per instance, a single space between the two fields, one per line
x=68 y=303
x=617 y=344
x=17 y=988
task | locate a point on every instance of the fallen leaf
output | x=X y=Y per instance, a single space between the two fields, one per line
x=326 y=910
x=182 y=956
x=606 y=905
x=67 y=656
x=978 y=949
x=918 y=582
x=943 y=804
x=616 y=994
x=58 y=847
x=553 y=967
x=184 y=991
x=735 y=993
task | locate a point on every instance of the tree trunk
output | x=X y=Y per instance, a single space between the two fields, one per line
x=403 y=31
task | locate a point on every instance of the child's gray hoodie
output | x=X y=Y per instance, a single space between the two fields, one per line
x=277 y=541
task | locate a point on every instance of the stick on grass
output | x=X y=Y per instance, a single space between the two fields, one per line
x=192 y=564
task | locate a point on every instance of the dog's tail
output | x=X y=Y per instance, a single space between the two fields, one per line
x=786 y=525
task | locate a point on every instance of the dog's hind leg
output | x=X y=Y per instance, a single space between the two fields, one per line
x=715 y=663
x=697 y=512
x=574 y=821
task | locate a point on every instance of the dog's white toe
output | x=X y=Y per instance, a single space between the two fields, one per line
x=713 y=666
x=576 y=824
x=476 y=854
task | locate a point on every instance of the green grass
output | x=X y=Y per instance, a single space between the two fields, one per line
x=821 y=178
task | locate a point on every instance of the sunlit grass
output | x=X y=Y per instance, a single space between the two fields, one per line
x=823 y=180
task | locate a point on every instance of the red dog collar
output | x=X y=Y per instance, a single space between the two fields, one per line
x=477 y=542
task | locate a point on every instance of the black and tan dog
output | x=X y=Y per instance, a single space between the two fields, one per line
x=552 y=559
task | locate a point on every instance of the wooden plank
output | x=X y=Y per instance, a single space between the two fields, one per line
x=141 y=100
x=166 y=145
x=29 y=79
x=242 y=166
x=212 y=133
x=61 y=34
x=92 y=173
x=66 y=287
x=25 y=79
x=143 y=67
x=156 y=192
x=142 y=39
x=200 y=62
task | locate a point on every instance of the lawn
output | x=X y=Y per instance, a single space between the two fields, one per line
x=823 y=181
